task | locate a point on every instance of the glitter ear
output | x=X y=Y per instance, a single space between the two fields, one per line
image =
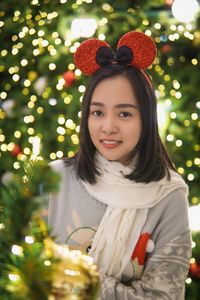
x=85 y=57
x=142 y=46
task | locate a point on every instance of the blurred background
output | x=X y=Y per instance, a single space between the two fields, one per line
x=41 y=89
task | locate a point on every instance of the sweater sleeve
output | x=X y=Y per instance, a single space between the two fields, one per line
x=167 y=267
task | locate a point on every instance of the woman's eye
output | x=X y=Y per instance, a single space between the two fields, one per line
x=125 y=114
x=96 y=113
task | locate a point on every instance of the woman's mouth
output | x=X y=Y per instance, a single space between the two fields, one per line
x=110 y=144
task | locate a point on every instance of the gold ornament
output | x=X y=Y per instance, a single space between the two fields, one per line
x=32 y=75
x=75 y=276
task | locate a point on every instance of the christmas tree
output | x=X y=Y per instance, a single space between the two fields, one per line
x=41 y=89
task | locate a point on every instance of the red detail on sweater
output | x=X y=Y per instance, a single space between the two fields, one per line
x=140 y=248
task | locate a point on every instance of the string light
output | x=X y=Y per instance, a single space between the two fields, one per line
x=13 y=277
x=194 y=213
x=17 y=250
x=184 y=10
x=83 y=27
x=29 y=239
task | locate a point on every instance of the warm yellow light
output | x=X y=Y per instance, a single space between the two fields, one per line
x=194 y=61
x=70 y=154
x=170 y=137
x=101 y=37
x=61 y=120
x=70 y=124
x=61 y=130
x=52 y=155
x=24 y=62
x=77 y=72
x=2 y=138
x=75 y=139
x=17 y=134
x=27 y=151
x=189 y=163
x=13 y=277
x=17 y=250
x=52 y=66
x=179 y=143
x=197 y=161
x=36 y=145
x=83 y=27
x=31 y=131
x=3 y=95
x=15 y=77
x=181 y=170
x=187 y=123
x=47 y=263
x=61 y=138
x=188 y=280
x=27 y=83
x=4 y=52
x=53 y=51
x=148 y=32
x=40 y=110
x=157 y=25
x=190 y=177
x=58 y=41
x=194 y=116
x=36 y=52
x=29 y=239
x=41 y=33
x=59 y=154
x=81 y=88
x=67 y=100
x=173 y=115
x=145 y=22
x=16 y=165
x=32 y=31
x=194 y=221
x=184 y=10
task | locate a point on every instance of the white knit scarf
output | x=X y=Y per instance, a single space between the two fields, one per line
x=128 y=205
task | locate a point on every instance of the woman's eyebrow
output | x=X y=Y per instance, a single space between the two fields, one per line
x=124 y=105
x=96 y=103
x=120 y=105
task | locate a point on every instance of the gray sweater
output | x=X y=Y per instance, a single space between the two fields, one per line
x=74 y=216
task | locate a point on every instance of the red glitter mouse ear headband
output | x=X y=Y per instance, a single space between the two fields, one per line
x=134 y=48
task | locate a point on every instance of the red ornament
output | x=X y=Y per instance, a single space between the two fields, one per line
x=166 y=48
x=69 y=78
x=194 y=270
x=169 y=2
x=16 y=150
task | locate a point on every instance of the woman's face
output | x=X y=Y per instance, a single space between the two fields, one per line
x=114 y=120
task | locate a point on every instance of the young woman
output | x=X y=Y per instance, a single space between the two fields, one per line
x=121 y=199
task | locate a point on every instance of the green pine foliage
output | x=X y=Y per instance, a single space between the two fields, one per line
x=23 y=273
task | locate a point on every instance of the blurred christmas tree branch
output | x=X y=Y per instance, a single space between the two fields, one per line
x=23 y=274
x=32 y=265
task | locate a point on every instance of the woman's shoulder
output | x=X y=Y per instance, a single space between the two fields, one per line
x=175 y=201
x=61 y=165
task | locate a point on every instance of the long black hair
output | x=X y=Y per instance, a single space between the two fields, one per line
x=153 y=162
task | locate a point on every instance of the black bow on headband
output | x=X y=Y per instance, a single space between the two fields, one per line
x=105 y=56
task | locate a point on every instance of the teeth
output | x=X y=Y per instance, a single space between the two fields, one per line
x=110 y=142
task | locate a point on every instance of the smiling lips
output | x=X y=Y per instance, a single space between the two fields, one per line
x=110 y=144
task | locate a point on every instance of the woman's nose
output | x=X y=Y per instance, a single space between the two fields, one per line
x=109 y=126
